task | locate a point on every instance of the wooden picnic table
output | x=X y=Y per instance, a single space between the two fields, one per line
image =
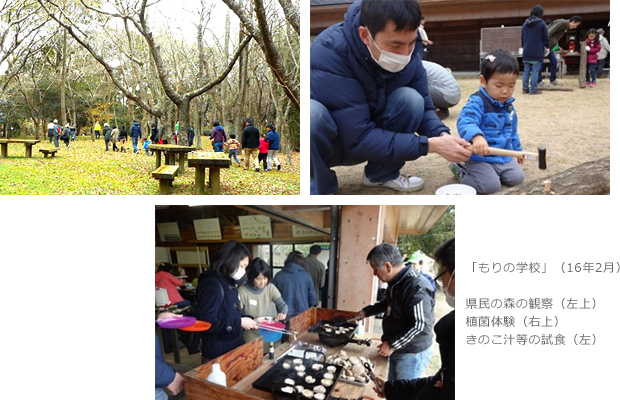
x=28 y=143
x=213 y=161
x=171 y=150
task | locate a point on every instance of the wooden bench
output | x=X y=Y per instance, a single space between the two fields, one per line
x=47 y=152
x=165 y=174
x=28 y=143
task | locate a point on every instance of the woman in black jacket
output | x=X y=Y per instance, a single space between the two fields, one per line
x=218 y=301
x=441 y=385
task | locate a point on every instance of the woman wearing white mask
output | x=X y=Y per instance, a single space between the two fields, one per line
x=218 y=301
x=441 y=385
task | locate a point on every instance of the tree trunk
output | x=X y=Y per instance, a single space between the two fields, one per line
x=589 y=178
x=183 y=108
x=63 y=80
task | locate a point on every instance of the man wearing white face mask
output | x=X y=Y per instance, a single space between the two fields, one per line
x=369 y=96
x=441 y=385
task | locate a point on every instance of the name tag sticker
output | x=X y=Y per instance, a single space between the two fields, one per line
x=253 y=302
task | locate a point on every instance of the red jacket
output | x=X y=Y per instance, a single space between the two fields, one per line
x=595 y=47
x=263 y=146
x=167 y=281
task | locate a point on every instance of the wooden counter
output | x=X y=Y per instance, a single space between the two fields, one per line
x=245 y=364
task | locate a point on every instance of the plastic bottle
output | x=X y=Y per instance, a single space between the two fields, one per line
x=271 y=351
x=217 y=376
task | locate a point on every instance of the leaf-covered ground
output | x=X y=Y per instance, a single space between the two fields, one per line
x=86 y=168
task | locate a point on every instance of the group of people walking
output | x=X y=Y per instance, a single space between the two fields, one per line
x=56 y=133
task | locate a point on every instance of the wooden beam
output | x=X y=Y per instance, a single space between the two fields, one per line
x=284 y=216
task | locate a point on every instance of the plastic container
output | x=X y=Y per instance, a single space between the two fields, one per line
x=217 y=376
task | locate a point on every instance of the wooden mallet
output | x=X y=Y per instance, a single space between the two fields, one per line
x=541 y=156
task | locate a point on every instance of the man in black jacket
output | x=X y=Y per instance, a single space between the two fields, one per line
x=250 y=142
x=407 y=326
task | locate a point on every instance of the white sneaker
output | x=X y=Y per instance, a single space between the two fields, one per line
x=403 y=183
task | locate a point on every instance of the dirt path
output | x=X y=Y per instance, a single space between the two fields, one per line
x=575 y=127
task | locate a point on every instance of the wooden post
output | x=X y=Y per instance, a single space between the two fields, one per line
x=28 y=150
x=366 y=224
x=164 y=184
x=4 y=150
x=157 y=158
x=214 y=180
x=181 y=163
x=583 y=64
x=200 y=179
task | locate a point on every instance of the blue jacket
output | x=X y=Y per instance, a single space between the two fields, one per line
x=164 y=374
x=496 y=121
x=354 y=88
x=136 y=130
x=218 y=303
x=297 y=289
x=534 y=39
x=273 y=138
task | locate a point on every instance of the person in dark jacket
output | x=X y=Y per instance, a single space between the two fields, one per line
x=273 y=138
x=369 y=96
x=107 y=135
x=250 y=139
x=441 y=385
x=190 y=136
x=218 y=301
x=410 y=299
x=122 y=138
x=556 y=30
x=218 y=137
x=295 y=285
x=165 y=376
x=136 y=133
x=535 y=43
x=154 y=134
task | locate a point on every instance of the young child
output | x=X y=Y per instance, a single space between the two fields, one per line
x=147 y=142
x=490 y=119
x=263 y=150
x=233 y=147
x=593 y=46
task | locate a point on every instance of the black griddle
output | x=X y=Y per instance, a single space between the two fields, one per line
x=333 y=339
x=272 y=381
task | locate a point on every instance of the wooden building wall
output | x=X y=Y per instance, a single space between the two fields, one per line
x=454 y=25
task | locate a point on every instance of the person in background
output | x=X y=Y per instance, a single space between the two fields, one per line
x=107 y=135
x=535 y=44
x=258 y=296
x=407 y=338
x=165 y=279
x=145 y=146
x=97 y=130
x=557 y=29
x=66 y=135
x=57 y=133
x=73 y=130
x=218 y=301
x=135 y=132
x=426 y=42
x=602 y=55
x=593 y=46
x=154 y=133
x=488 y=119
x=440 y=386
x=263 y=151
x=190 y=135
x=51 y=127
x=249 y=142
x=122 y=137
x=315 y=268
x=233 y=147
x=115 y=135
x=273 y=138
x=218 y=137
x=417 y=265
x=295 y=285
x=165 y=376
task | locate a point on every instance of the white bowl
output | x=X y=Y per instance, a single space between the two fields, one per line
x=456 y=189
